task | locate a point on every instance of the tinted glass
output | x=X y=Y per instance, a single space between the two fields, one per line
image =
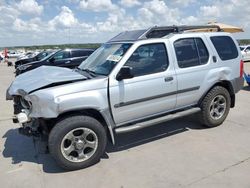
x=225 y=47
x=61 y=55
x=105 y=58
x=148 y=59
x=186 y=53
x=191 y=52
x=202 y=51
x=81 y=53
x=42 y=55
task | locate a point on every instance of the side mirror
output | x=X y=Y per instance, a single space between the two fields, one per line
x=124 y=73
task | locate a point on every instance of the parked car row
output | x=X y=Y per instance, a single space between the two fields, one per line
x=245 y=51
x=31 y=57
x=69 y=58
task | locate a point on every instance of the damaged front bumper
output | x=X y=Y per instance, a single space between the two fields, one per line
x=22 y=117
x=29 y=127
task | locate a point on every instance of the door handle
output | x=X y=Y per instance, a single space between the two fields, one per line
x=67 y=62
x=168 y=79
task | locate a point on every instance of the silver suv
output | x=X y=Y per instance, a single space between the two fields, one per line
x=138 y=78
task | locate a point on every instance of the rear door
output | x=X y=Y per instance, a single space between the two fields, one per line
x=151 y=91
x=192 y=62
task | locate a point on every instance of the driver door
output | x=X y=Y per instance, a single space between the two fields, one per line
x=62 y=59
x=151 y=91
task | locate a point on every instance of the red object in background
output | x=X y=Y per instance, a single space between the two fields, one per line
x=241 y=68
x=5 y=52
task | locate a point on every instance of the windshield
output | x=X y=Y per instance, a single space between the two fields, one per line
x=105 y=58
x=42 y=55
x=49 y=55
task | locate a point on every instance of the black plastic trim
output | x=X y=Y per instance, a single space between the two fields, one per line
x=155 y=97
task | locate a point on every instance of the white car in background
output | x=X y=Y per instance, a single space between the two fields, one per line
x=13 y=54
x=245 y=51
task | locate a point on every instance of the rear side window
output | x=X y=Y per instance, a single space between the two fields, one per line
x=81 y=53
x=225 y=47
x=191 y=52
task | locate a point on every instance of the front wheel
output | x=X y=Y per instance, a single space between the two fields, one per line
x=77 y=142
x=215 y=106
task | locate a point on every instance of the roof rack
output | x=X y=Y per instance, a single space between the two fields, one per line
x=159 y=32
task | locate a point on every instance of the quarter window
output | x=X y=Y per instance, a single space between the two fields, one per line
x=148 y=59
x=191 y=52
x=225 y=47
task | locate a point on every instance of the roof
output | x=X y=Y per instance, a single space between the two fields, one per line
x=156 y=32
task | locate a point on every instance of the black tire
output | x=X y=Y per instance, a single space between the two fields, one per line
x=63 y=127
x=206 y=117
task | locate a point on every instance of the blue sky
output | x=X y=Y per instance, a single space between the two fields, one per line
x=35 y=22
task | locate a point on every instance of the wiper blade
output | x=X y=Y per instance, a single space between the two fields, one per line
x=80 y=71
x=90 y=72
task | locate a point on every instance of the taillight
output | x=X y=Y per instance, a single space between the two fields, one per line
x=241 y=68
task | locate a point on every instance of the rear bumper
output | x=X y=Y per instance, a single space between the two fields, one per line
x=238 y=84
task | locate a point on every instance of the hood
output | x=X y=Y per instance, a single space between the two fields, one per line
x=41 y=77
x=30 y=63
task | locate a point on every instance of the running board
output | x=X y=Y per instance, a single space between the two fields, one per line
x=158 y=120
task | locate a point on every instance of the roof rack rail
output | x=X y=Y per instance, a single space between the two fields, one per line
x=159 y=32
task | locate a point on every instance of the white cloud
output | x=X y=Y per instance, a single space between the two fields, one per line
x=8 y=14
x=190 y=20
x=65 y=18
x=130 y=3
x=97 y=5
x=30 y=7
x=210 y=11
x=156 y=12
x=27 y=26
x=184 y=2
x=110 y=18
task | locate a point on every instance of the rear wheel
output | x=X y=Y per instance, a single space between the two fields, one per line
x=215 y=107
x=77 y=142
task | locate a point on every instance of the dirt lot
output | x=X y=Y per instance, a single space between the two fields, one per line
x=180 y=153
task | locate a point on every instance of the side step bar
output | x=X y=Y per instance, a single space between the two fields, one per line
x=158 y=120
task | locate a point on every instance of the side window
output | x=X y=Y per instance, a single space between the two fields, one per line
x=191 y=52
x=202 y=51
x=225 y=47
x=62 y=55
x=79 y=53
x=148 y=59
